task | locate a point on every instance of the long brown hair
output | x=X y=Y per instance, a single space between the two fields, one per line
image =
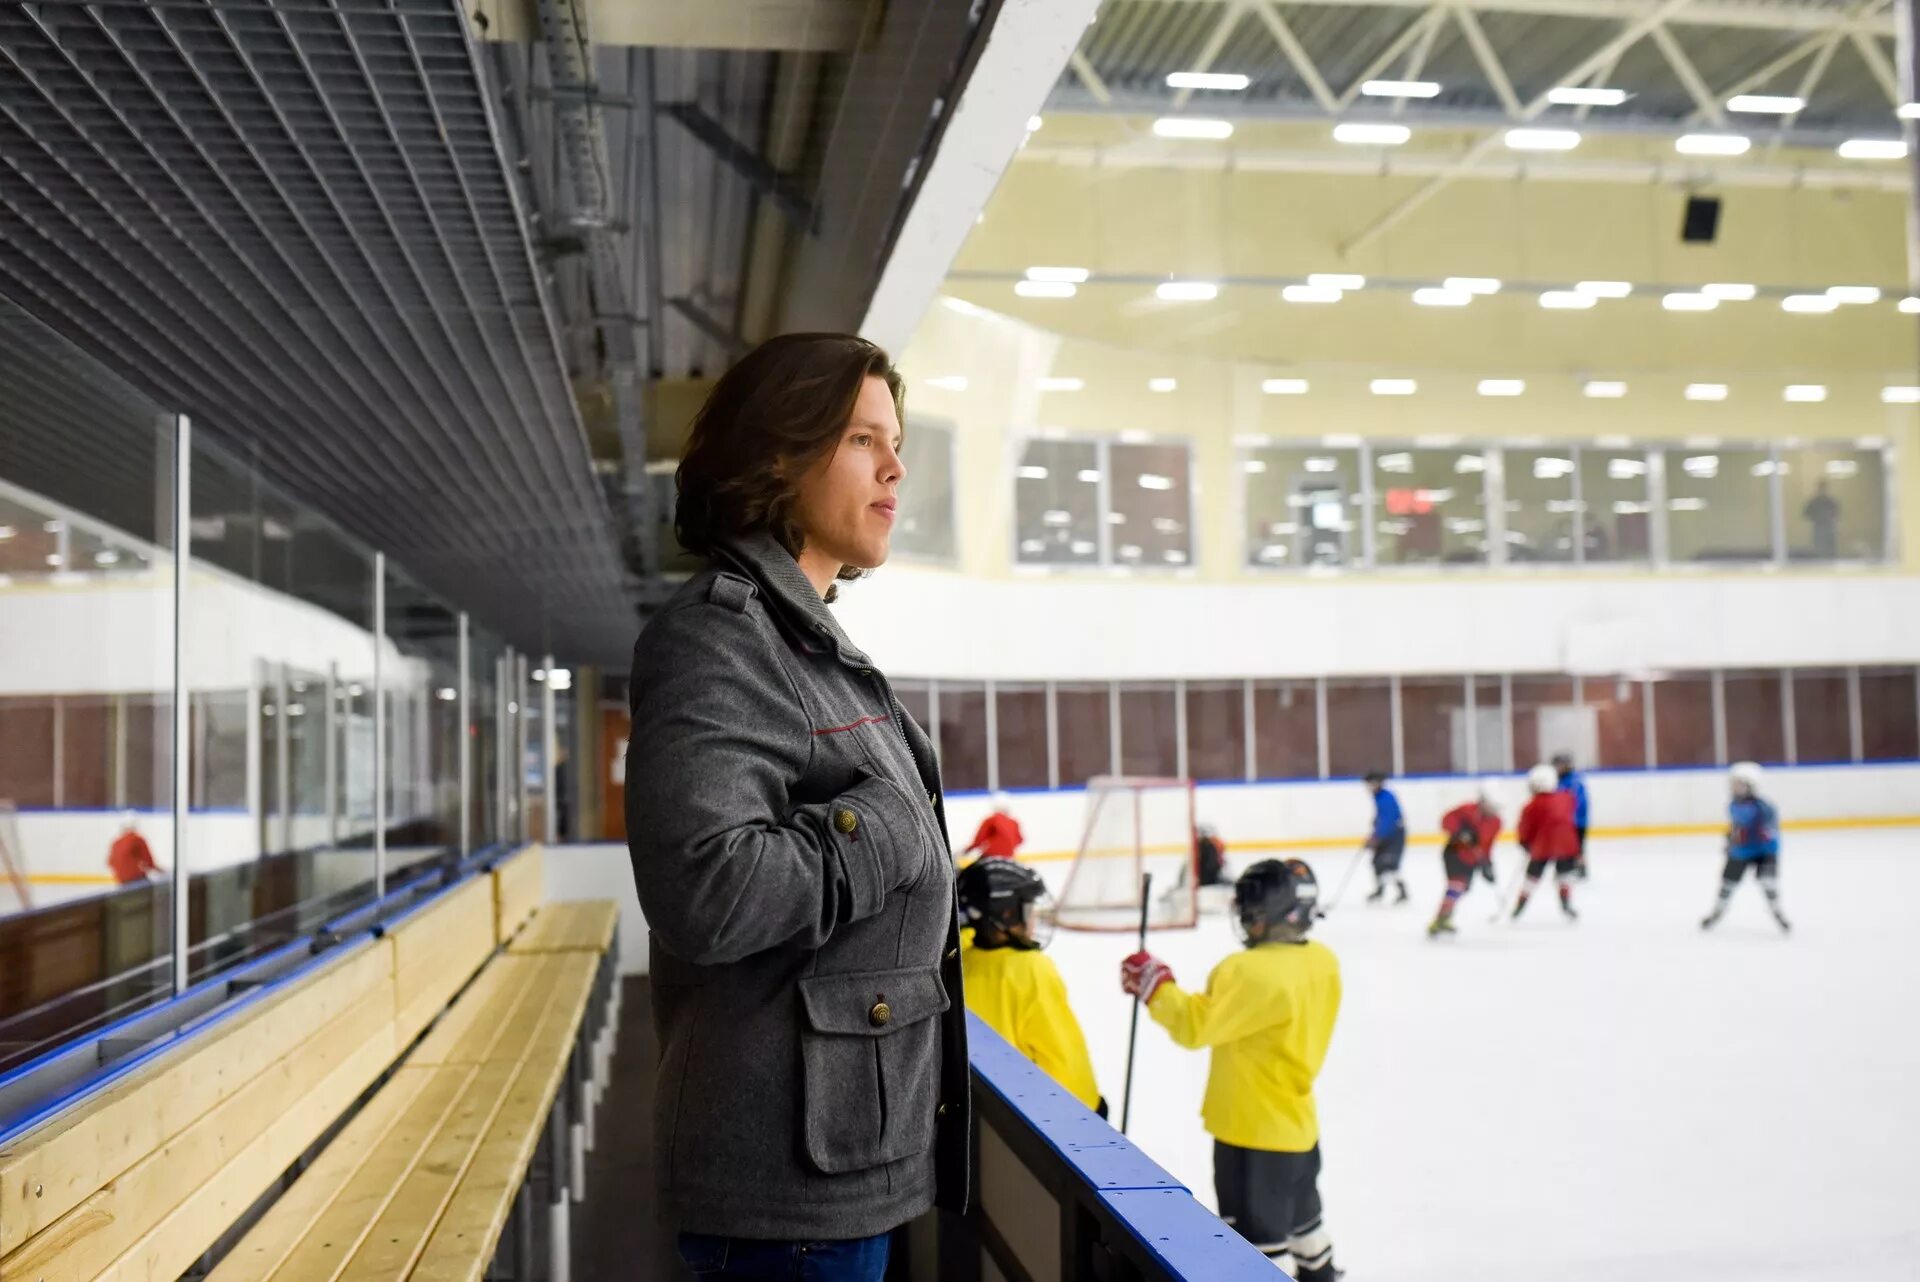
x=769 y=419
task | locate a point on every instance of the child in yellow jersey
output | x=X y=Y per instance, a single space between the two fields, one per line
x=1014 y=986
x=1268 y=1015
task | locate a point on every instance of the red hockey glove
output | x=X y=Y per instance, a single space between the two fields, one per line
x=1143 y=973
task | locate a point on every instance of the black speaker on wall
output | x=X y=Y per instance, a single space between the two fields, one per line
x=1702 y=222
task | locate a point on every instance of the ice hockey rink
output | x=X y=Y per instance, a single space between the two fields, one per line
x=1620 y=1097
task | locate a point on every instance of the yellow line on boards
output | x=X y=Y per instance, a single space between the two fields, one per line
x=70 y=879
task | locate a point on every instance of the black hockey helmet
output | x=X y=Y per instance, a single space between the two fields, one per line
x=1006 y=904
x=1374 y=776
x=1563 y=762
x=1275 y=901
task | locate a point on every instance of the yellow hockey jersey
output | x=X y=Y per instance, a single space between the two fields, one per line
x=1019 y=993
x=1268 y=1014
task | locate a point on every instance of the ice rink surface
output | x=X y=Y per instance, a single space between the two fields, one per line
x=1623 y=1098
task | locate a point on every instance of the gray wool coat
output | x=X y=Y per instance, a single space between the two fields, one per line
x=785 y=821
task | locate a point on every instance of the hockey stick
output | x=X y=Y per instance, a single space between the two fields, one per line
x=1340 y=892
x=1133 y=1033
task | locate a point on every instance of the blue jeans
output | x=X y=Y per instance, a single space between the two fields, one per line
x=739 y=1259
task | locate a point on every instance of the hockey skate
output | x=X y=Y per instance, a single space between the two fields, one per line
x=1712 y=919
x=1566 y=906
x=1440 y=926
x=1780 y=920
x=1399 y=892
x=1379 y=893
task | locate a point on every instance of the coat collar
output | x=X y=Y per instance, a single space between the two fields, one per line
x=788 y=592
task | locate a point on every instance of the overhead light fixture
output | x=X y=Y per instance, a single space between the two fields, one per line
x=1062 y=384
x=1311 y=294
x=1763 y=104
x=1502 y=386
x=1706 y=391
x=1908 y=111
x=1472 y=284
x=1284 y=386
x=1367 y=135
x=1811 y=304
x=1088 y=476
x=949 y=383
x=1032 y=472
x=1911 y=306
x=1728 y=293
x=1437 y=297
x=1071 y=275
x=1806 y=393
x=1254 y=466
x=1337 y=280
x=1187 y=291
x=1854 y=293
x=1393 y=387
x=1225 y=80
x=1712 y=144
x=1567 y=300
x=1154 y=481
x=1542 y=139
x=1601 y=389
x=1401 y=89
x=1045 y=289
x=1689 y=302
x=1872 y=149
x=1192 y=127
x=1162 y=384
x=1581 y=96
x=1034 y=123
x=1605 y=288
x=1900 y=396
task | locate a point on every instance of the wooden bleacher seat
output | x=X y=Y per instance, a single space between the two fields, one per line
x=584 y=926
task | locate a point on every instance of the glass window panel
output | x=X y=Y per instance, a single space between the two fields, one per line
x=1021 y=723
x=86 y=752
x=1755 y=731
x=674 y=559
x=1152 y=513
x=1719 y=504
x=963 y=735
x=1542 y=517
x=1429 y=505
x=147 y=783
x=1489 y=726
x=1303 y=506
x=1359 y=726
x=916 y=697
x=1822 y=722
x=1620 y=715
x=26 y=767
x=1286 y=734
x=1889 y=714
x=1836 y=502
x=1149 y=736
x=1216 y=730
x=1546 y=720
x=927 y=530
x=219 y=738
x=422 y=680
x=1433 y=721
x=1614 y=491
x=1683 y=720
x=484 y=652
x=1086 y=731
x=1056 y=503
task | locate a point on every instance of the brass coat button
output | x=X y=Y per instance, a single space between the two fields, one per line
x=845 y=820
x=881 y=1015
x=943 y=1110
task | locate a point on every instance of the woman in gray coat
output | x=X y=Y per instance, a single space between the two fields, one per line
x=784 y=817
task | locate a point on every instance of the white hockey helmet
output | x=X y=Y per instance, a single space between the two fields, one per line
x=1747 y=774
x=1488 y=793
x=1001 y=801
x=1543 y=778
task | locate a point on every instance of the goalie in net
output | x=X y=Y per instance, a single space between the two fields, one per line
x=1134 y=826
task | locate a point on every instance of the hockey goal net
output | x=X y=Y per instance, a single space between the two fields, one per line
x=1133 y=827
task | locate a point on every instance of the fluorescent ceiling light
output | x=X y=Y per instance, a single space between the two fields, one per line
x=1031 y=472
x=1872 y=149
x=1910 y=306
x=1192 y=127
x=1900 y=395
x=1432 y=297
x=1034 y=123
x=1625 y=469
x=1207 y=80
x=1337 y=280
x=1393 y=387
x=1088 y=476
x=1689 y=302
x=1728 y=293
x=1472 y=284
x=1502 y=386
x=1400 y=89
x=1284 y=386
x=1188 y=291
x=1909 y=111
x=1580 y=96
x=1813 y=304
x=1311 y=294
x=1062 y=384
x=1254 y=466
x=1162 y=384
x=1154 y=481
x=1764 y=104
x=1542 y=139
x=1806 y=393
x=1045 y=289
x=1322 y=465
x=1601 y=389
x=949 y=383
x=1567 y=300
x=1371 y=135
x=1706 y=391
x=1071 y=275
x=1605 y=288
x=1712 y=144
x=1853 y=293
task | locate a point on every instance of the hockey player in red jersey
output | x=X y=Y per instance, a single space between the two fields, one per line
x=1471 y=830
x=1549 y=836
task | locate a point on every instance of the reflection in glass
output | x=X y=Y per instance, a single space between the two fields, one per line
x=926 y=531
x=1543 y=513
x=1152 y=504
x=1056 y=503
x=1430 y=506
x=1304 y=506
x=1835 y=499
x=1615 y=498
x=1719 y=503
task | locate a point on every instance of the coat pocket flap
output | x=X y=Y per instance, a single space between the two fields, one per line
x=873 y=1003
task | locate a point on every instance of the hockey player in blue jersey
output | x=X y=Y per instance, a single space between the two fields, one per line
x=1387 y=841
x=1570 y=781
x=1753 y=841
